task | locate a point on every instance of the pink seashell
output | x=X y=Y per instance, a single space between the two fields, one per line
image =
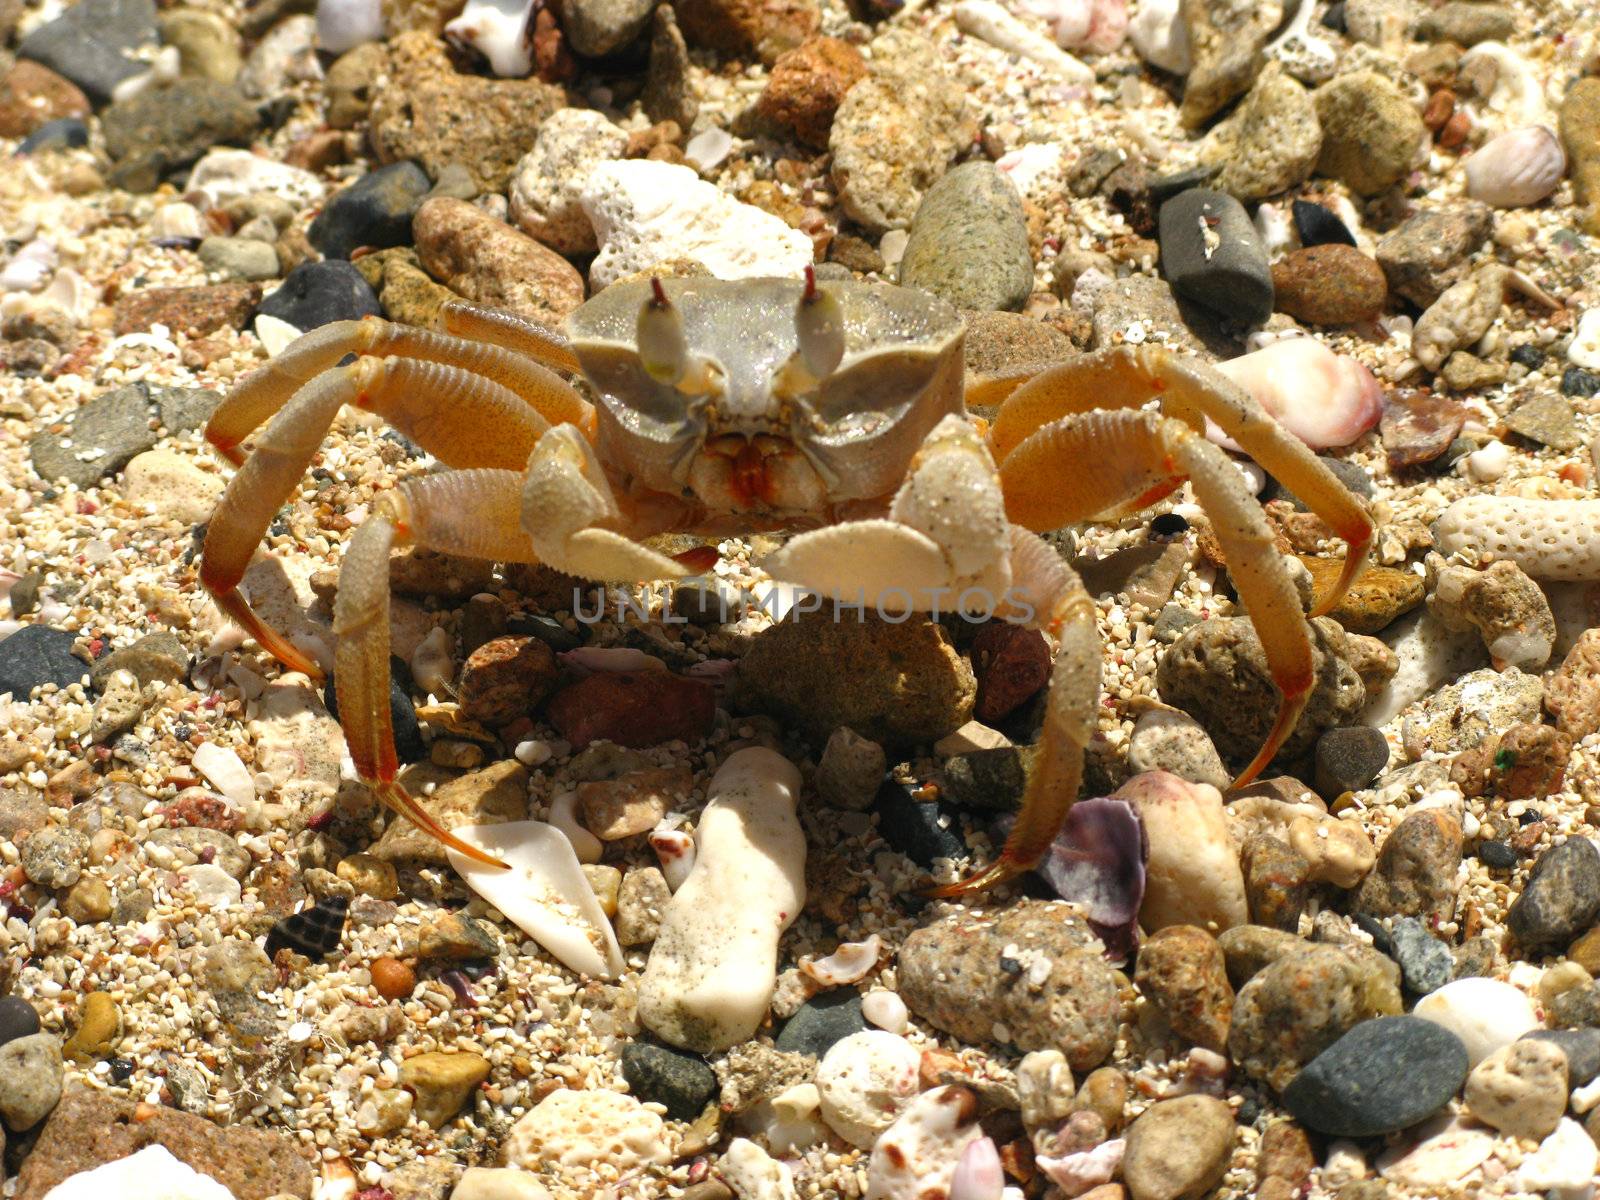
x=1516 y=169
x=978 y=1174
x=1324 y=399
x=1096 y=25
x=1075 y=1174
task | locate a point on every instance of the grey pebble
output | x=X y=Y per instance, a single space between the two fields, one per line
x=1211 y=254
x=969 y=241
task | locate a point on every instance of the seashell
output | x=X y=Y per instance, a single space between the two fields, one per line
x=920 y=1153
x=275 y=334
x=1098 y=860
x=225 y=771
x=1511 y=91
x=1159 y=35
x=1095 y=25
x=154 y=1173
x=1275 y=228
x=500 y=30
x=708 y=149
x=610 y=659
x=795 y=1124
x=978 y=1174
x=751 y=1171
x=431 y=663
x=564 y=819
x=886 y=1010
x=345 y=24
x=30 y=267
x=1324 y=399
x=314 y=932
x=852 y=961
x=988 y=22
x=675 y=852
x=1516 y=169
x=545 y=893
x=1045 y=1091
x=1075 y=1174
x=1584 y=349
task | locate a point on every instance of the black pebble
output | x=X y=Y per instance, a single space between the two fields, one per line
x=313 y=932
x=408 y=743
x=314 y=294
x=821 y=1021
x=915 y=829
x=64 y=133
x=17 y=1019
x=121 y=1070
x=1575 y=381
x=1212 y=255
x=1497 y=855
x=1531 y=357
x=375 y=210
x=680 y=1081
x=36 y=655
x=1334 y=18
x=547 y=629
x=1373 y=928
x=1168 y=524
x=1318 y=226
x=1529 y=816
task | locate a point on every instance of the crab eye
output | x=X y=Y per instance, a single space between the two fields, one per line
x=820 y=325
x=662 y=349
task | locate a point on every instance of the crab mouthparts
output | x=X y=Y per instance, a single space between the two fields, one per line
x=736 y=472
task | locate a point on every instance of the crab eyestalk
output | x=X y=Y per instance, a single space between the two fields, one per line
x=663 y=349
x=819 y=323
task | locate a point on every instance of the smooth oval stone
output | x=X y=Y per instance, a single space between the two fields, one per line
x=314 y=294
x=375 y=210
x=18 y=1019
x=1561 y=897
x=1211 y=254
x=1581 y=1046
x=969 y=241
x=1383 y=1076
x=821 y=1021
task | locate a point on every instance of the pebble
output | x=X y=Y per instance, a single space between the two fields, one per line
x=31 y=1074
x=53 y=857
x=807 y=84
x=18 y=1019
x=375 y=211
x=646 y=212
x=436 y=116
x=969 y=241
x=706 y=992
x=1572 y=692
x=95 y=44
x=315 y=294
x=33 y=96
x=393 y=979
x=1332 y=284
x=240 y=257
x=506 y=678
x=1269 y=143
x=1181 y=969
x=36 y=655
x=1323 y=398
x=1580 y=135
x=1563 y=1165
x=1520 y=1089
x=442 y=1082
x=675 y=1079
x=641 y=899
x=633 y=803
x=1012 y=664
x=1561 y=896
x=1463 y=714
x=207 y=44
x=65 y=133
x=99 y=1028
x=488 y=261
x=1302 y=1001
x=974 y=976
x=1581 y=1048
x=1517 y=168
x=1508 y=610
x=1210 y=253
x=1216 y=672
x=161 y=131
x=1370 y=131
x=150 y=1174
x=498 y=1183
x=1425 y=962
x=886 y=1010
x=574 y=1129
x=865 y=1080
x=102 y=436
x=1169 y=740
x=824 y=1020
x=850 y=770
x=1225 y=43
x=1415 y=874
x=549 y=179
x=1430 y=251
x=1485 y=1014
x=1382 y=1076
x=935 y=1146
x=924 y=832
x=1192 y=872
x=633 y=708
x=1178 y=1148
x=1318 y=225
x=896 y=130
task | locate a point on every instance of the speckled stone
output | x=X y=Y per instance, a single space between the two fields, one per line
x=1561 y=897
x=100 y=438
x=1383 y=1076
x=969 y=241
x=1415 y=875
x=1370 y=131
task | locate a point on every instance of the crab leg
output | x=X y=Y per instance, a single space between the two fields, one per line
x=1129 y=376
x=473 y=513
x=510 y=331
x=1052 y=590
x=1078 y=466
x=264 y=391
x=460 y=417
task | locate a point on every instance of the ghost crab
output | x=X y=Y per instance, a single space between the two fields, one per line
x=832 y=411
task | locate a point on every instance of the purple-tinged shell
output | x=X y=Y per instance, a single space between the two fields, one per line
x=1098 y=861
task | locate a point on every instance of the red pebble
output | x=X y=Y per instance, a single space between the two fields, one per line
x=198 y=807
x=1012 y=662
x=633 y=708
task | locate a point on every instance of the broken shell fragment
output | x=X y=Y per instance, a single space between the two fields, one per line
x=675 y=852
x=500 y=30
x=920 y=1153
x=1517 y=168
x=1323 y=398
x=852 y=961
x=545 y=893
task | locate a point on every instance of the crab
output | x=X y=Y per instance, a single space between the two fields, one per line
x=833 y=412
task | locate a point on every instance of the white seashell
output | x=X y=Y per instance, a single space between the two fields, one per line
x=564 y=818
x=345 y=24
x=1035 y=169
x=1484 y=1013
x=500 y=30
x=920 y=1153
x=338 y=1181
x=714 y=965
x=1159 y=35
x=852 y=961
x=225 y=772
x=886 y=1010
x=675 y=852
x=225 y=174
x=1275 y=227
x=1308 y=57
x=979 y=1175
x=275 y=333
x=545 y=893
x=432 y=664
x=1563 y=1165
x=550 y=177
x=1095 y=25
x=1517 y=169
x=753 y=1174
x=1446 y=1149
x=151 y=1174
x=1584 y=349
x=709 y=148
x=1077 y=1173
x=30 y=267
x=1489 y=462
x=987 y=21
x=1511 y=90
x=71 y=293
x=795 y=1125
x=1324 y=399
x=212 y=886
x=1045 y=1090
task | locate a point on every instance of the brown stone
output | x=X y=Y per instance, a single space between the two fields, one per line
x=488 y=261
x=90 y=1128
x=1011 y=662
x=806 y=85
x=633 y=803
x=1416 y=871
x=1572 y=693
x=1526 y=762
x=741 y=28
x=1378 y=596
x=192 y=310
x=633 y=708
x=1332 y=284
x=1418 y=426
x=507 y=678
x=32 y=95
x=1181 y=969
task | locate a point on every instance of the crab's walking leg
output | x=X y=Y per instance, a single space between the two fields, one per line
x=461 y=418
x=267 y=389
x=1078 y=466
x=1129 y=376
x=473 y=513
x=509 y=331
x=1054 y=592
